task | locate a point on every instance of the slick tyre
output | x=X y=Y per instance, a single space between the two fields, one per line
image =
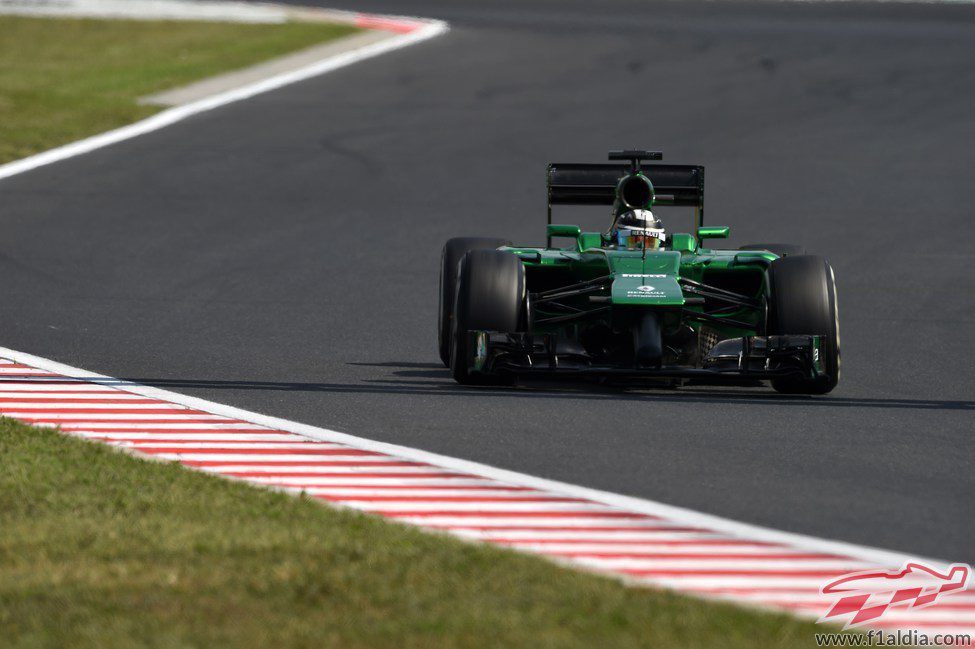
x=803 y=302
x=450 y=257
x=781 y=249
x=490 y=297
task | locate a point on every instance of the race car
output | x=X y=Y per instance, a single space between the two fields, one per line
x=636 y=302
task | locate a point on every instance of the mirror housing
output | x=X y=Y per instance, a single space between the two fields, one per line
x=682 y=242
x=561 y=230
x=713 y=232
x=590 y=240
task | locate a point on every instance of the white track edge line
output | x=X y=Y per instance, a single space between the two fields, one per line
x=888 y=558
x=430 y=29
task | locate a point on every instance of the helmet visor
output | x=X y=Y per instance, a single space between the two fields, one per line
x=639 y=239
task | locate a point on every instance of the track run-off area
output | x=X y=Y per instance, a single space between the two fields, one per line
x=280 y=255
x=642 y=542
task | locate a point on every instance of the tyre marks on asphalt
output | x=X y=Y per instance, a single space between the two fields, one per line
x=642 y=548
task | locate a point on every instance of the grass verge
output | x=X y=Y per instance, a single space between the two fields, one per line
x=65 y=79
x=100 y=549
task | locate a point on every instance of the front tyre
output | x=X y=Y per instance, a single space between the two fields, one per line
x=803 y=302
x=450 y=257
x=490 y=297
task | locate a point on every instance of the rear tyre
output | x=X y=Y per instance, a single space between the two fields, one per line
x=452 y=252
x=803 y=302
x=490 y=297
x=781 y=249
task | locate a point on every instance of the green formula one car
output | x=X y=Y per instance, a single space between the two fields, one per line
x=637 y=302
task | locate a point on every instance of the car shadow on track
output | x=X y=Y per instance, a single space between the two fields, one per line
x=434 y=380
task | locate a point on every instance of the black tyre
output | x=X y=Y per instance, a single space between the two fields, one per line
x=453 y=250
x=781 y=249
x=490 y=297
x=803 y=302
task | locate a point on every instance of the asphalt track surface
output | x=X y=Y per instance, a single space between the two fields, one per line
x=281 y=254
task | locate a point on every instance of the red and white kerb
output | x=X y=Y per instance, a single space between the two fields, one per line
x=645 y=549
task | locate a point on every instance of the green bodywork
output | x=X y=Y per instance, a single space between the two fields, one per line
x=631 y=301
x=651 y=280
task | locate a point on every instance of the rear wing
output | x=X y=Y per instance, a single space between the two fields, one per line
x=595 y=184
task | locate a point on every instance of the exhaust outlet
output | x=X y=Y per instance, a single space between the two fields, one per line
x=635 y=192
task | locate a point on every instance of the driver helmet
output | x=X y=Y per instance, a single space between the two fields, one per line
x=638 y=230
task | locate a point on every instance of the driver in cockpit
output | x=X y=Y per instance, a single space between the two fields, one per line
x=637 y=230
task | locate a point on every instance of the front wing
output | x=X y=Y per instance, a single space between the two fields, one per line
x=734 y=360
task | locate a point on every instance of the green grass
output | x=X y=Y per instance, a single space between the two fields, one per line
x=101 y=549
x=64 y=79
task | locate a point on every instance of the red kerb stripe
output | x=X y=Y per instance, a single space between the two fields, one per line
x=96 y=399
x=515 y=514
x=357 y=474
x=298 y=463
x=707 y=572
x=597 y=541
x=255 y=451
x=697 y=555
x=110 y=411
x=445 y=499
x=411 y=487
